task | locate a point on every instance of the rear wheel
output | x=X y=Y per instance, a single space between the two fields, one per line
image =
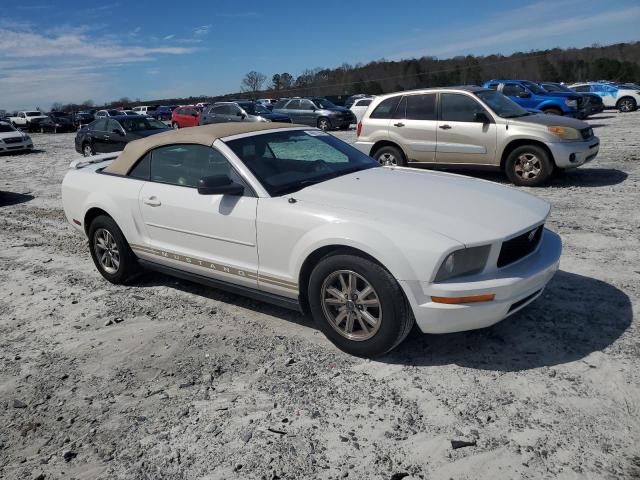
x=626 y=104
x=528 y=165
x=324 y=124
x=358 y=305
x=390 y=156
x=110 y=251
x=87 y=150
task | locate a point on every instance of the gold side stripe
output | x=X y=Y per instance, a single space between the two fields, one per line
x=215 y=266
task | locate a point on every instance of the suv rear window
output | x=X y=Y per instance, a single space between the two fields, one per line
x=386 y=108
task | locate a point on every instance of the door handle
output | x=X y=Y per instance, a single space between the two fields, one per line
x=152 y=202
x=399 y=124
x=445 y=127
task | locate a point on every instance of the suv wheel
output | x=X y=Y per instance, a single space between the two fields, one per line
x=324 y=124
x=87 y=150
x=175 y=126
x=110 y=251
x=626 y=104
x=552 y=111
x=358 y=305
x=390 y=156
x=529 y=166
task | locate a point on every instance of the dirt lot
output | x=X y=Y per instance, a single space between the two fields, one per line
x=168 y=379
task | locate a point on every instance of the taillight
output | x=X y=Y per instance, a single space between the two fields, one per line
x=358 y=129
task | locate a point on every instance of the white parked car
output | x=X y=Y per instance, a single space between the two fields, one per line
x=108 y=113
x=622 y=97
x=23 y=119
x=360 y=106
x=295 y=216
x=12 y=139
x=144 y=110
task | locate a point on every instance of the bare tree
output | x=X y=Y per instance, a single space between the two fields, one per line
x=252 y=82
x=56 y=107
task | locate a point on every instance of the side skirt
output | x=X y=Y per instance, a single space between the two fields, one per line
x=290 y=303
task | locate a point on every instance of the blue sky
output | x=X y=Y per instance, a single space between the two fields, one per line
x=62 y=51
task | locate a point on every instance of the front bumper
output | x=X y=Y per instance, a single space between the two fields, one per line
x=16 y=147
x=514 y=286
x=574 y=154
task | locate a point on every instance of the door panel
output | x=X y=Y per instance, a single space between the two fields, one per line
x=461 y=139
x=414 y=126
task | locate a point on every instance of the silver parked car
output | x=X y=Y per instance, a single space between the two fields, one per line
x=473 y=127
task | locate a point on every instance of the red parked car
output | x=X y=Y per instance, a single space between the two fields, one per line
x=186 y=116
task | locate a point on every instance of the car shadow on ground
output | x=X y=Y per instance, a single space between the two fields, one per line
x=11 y=198
x=601 y=116
x=578 y=177
x=574 y=317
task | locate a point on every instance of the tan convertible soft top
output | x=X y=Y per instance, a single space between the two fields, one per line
x=204 y=135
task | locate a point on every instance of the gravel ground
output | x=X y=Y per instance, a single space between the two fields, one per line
x=168 y=379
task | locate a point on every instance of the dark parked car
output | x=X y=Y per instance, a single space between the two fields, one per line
x=111 y=134
x=162 y=113
x=54 y=122
x=83 y=118
x=591 y=102
x=317 y=112
x=240 y=111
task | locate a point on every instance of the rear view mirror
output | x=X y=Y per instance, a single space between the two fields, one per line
x=219 y=185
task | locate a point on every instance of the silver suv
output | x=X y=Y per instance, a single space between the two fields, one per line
x=473 y=127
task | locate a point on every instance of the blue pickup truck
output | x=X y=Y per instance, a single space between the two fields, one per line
x=532 y=96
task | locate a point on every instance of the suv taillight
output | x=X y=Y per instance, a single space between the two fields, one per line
x=358 y=129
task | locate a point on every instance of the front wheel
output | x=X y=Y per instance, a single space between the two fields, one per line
x=358 y=305
x=528 y=166
x=110 y=251
x=552 y=111
x=324 y=124
x=87 y=150
x=626 y=104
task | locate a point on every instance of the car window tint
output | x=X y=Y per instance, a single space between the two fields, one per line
x=401 y=109
x=493 y=86
x=459 y=108
x=293 y=105
x=142 y=169
x=100 y=125
x=363 y=103
x=582 y=88
x=421 y=107
x=306 y=105
x=386 y=108
x=184 y=165
x=280 y=104
x=113 y=125
x=512 y=90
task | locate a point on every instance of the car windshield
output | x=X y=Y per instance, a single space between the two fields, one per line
x=322 y=103
x=6 y=128
x=139 y=123
x=534 y=87
x=34 y=114
x=254 y=108
x=501 y=105
x=288 y=161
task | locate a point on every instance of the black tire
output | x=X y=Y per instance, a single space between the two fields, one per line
x=87 y=149
x=390 y=156
x=127 y=261
x=552 y=111
x=175 y=126
x=529 y=166
x=626 y=104
x=395 y=316
x=324 y=124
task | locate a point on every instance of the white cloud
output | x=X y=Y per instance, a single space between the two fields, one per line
x=202 y=30
x=169 y=37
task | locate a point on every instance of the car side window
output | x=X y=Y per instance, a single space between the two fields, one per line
x=386 y=108
x=493 y=86
x=459 y=108
x=99 y=125
x=112 y=125
x=306 y=105
x=363 y=103
x=233 y=109
x=293 y=105
x=582 y=88
x=401 y=109
x=512 y=90
x=142 y=169
x=421 y=107
x=183 y=165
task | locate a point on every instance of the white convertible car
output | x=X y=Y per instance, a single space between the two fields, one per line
x=294 y=216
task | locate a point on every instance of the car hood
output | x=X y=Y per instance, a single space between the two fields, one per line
x=464 y=209
x=548 y=120
x=12 y=134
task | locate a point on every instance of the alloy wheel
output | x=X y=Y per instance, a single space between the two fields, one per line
x=86 y=150
x=388 y=159
x=351 y=305
x=323 y=124
x=528 y=166
x=626 y=106
x=106 y=250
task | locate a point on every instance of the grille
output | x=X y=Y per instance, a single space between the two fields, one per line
x=13 y=140
x=586 y=133
x=519 y=247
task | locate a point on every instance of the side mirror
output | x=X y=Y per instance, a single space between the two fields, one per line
x=524 y=95
x=481 y=117
x=241 y=115
x=219 y=185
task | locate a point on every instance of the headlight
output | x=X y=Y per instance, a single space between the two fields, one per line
x=465 y=261
x=565 y=133
x=570 y=102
